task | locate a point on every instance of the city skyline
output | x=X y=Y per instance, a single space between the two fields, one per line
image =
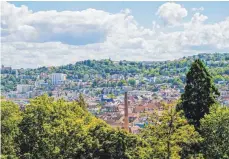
x=53 y=34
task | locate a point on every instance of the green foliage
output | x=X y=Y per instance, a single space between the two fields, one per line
x=61 y=129
x=217 y=62
x=167 y=132
x=118 y=144
x=8 y=83
x=200 y=93
x=111 y=96
x=50 y=129
x=215 y=131
x=178 y=82
x=218 y=78
x=132 y=82
x=122 y=83
x=10 y=118
x=82 y=103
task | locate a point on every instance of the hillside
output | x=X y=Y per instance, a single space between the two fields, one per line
x=217 y=63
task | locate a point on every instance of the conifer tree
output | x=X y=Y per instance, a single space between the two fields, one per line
x=200 y=93
x=82 y=102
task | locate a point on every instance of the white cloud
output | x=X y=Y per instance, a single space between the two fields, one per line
x=198 y=18
x=213 y=35
x=32 y=39
x=51 y=24
x=198 y=9
x=155 y=25
x=172 y=13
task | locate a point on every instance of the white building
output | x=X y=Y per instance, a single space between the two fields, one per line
x=139 y=93
x=16 y=73
x=23 y=88
x=58 y=78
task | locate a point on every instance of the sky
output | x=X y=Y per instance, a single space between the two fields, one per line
x=35 y=34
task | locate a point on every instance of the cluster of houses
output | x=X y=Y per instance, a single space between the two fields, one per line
x=106 y=101
x=140 y=105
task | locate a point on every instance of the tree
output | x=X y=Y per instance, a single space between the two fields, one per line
x=61 y=129
x=167 y=132
x=132 y=82
x=122 y=83
x=218 y=78
x=82 y=102
x=118 y=144
x=177 y=81
x=215 y=131
x=200 y=93
x=54 y=129
x=94 y=84
x=112 y=96
x=10 y=118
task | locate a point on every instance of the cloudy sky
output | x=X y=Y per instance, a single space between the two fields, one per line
x=35 y=34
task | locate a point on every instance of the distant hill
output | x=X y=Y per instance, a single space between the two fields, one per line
x=218 y=64
x=216 y=61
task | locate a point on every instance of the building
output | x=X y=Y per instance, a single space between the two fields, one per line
x=139 y=93
x=16 y=73
x=41 y=83
x=6 y=69
x=58 y=78
x=23 y=88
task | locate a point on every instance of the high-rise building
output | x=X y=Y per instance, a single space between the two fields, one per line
x=16 y=73
x=23 y=88
x=58 y=78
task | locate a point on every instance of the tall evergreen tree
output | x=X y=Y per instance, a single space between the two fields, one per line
x=200 y=93
x=82 y=102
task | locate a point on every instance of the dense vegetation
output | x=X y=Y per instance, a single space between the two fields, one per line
x=108 y=67
x=218 y=64
x=61 y=129
x=215 y=131
x=168 y=134
x=200 y=93
x=49 y=128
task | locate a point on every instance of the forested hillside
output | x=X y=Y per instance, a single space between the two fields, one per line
x=217 y=63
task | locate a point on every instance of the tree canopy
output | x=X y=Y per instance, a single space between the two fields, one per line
x=215 y=131
x=49 y=128
x=200 y=93
x=61 y=129
x=167 y=132
x=10 y=118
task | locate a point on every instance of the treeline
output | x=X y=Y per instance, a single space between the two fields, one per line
x=218 y=64
x=194 y=127
x=154 y=68
x=60 y=129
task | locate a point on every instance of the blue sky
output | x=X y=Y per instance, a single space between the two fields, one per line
x=55 y=33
